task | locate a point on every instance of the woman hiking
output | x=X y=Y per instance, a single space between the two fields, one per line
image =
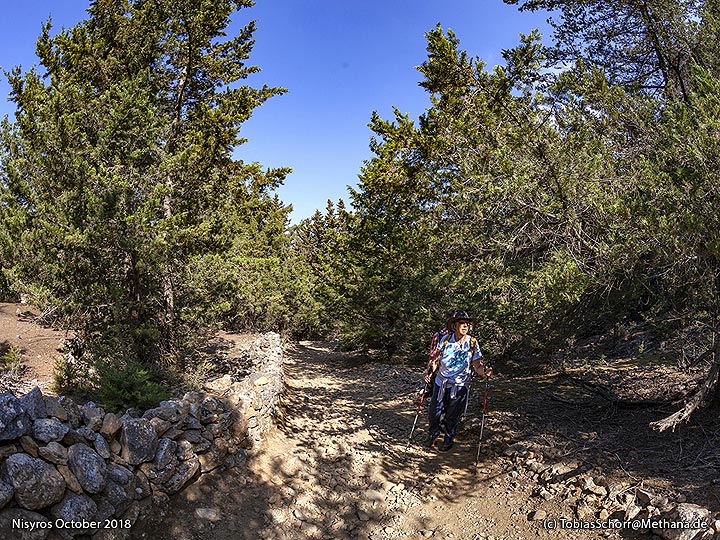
x=451 y=368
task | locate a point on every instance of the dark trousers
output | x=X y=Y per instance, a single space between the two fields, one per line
x=452 y=407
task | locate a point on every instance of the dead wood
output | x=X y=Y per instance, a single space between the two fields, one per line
x=696 y=401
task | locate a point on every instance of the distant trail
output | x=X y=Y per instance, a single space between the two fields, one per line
x=336 y=467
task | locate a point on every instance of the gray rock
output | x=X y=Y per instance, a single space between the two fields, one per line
x=54 y=452
x=166 y=452
x=49 y=429
x=118 y=496
x=6 y=493
x=54 y=409
x=139 y=441
x=40 y=529
x=75 y=507
x=119 y=474
x=184 y=472
x=87 y=433
x=214 y=457
x=72 y=410
x=92 y=415
x=101 y=447
x=690 y=514
x=36 y=484
x=160 y=426
x=73 y=437
x=14 y=421
x=88 y=467
x=33 y=404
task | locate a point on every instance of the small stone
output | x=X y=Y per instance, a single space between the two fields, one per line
x=54 y=452
x=14 y=421
x=110 y=426
x=299 y=514
x=70 y=478
x=101 y=447
x=363 y=516
x=29 y=445
x=210 y=514
x=537 y=515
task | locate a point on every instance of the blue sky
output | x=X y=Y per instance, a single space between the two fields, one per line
x=339 y=59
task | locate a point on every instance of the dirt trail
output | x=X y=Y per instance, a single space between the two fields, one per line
x=337 y=468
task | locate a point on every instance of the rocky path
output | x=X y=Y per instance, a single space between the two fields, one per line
x=337 y=467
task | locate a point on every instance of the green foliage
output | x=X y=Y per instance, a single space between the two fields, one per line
x=11 y=359
x=117 y=180
x=131 y=385
x=551 y=204
x=71 y=378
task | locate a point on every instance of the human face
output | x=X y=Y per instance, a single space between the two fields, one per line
x=461 y=329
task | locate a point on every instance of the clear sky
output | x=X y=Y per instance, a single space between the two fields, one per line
x=339 y=59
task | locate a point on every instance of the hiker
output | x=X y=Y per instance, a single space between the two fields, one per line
x=457 y=356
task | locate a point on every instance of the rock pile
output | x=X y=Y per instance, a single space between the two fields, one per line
x=594 y=497
x=69 y=470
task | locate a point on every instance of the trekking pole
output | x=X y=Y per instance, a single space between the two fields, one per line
x=482 y=423
x=417 y=415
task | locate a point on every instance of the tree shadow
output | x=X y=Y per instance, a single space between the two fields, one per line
x=339 y=464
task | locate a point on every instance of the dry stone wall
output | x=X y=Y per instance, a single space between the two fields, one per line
x=78 y=471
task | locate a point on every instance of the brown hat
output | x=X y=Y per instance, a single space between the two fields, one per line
x=462 y=315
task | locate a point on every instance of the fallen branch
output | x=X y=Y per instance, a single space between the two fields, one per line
x=696 y=401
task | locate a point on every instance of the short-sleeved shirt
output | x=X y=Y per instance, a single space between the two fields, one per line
x=455 y=360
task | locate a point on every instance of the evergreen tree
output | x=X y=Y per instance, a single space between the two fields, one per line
x=117 y=174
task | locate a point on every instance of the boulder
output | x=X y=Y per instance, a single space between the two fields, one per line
x=37 y=484
x=183 y=473
x=6 y=493
x=37 y=527
x=55 y=409
x=14 y=421
x=166 y=452
x=54 y=453
x=101 y=447
x=689 y=514
x=139 y=441
x=33 y=403
x=88 y=467
x=49 y=429
x=75 y=507
x=118 y=496
x=110 y=426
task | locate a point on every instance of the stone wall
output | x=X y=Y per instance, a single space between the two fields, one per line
x=69 y=470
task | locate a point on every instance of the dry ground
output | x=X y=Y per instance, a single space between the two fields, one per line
x=337 y=464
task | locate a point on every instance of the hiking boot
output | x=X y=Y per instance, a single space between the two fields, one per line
x=431 y=439
x=447 y=445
